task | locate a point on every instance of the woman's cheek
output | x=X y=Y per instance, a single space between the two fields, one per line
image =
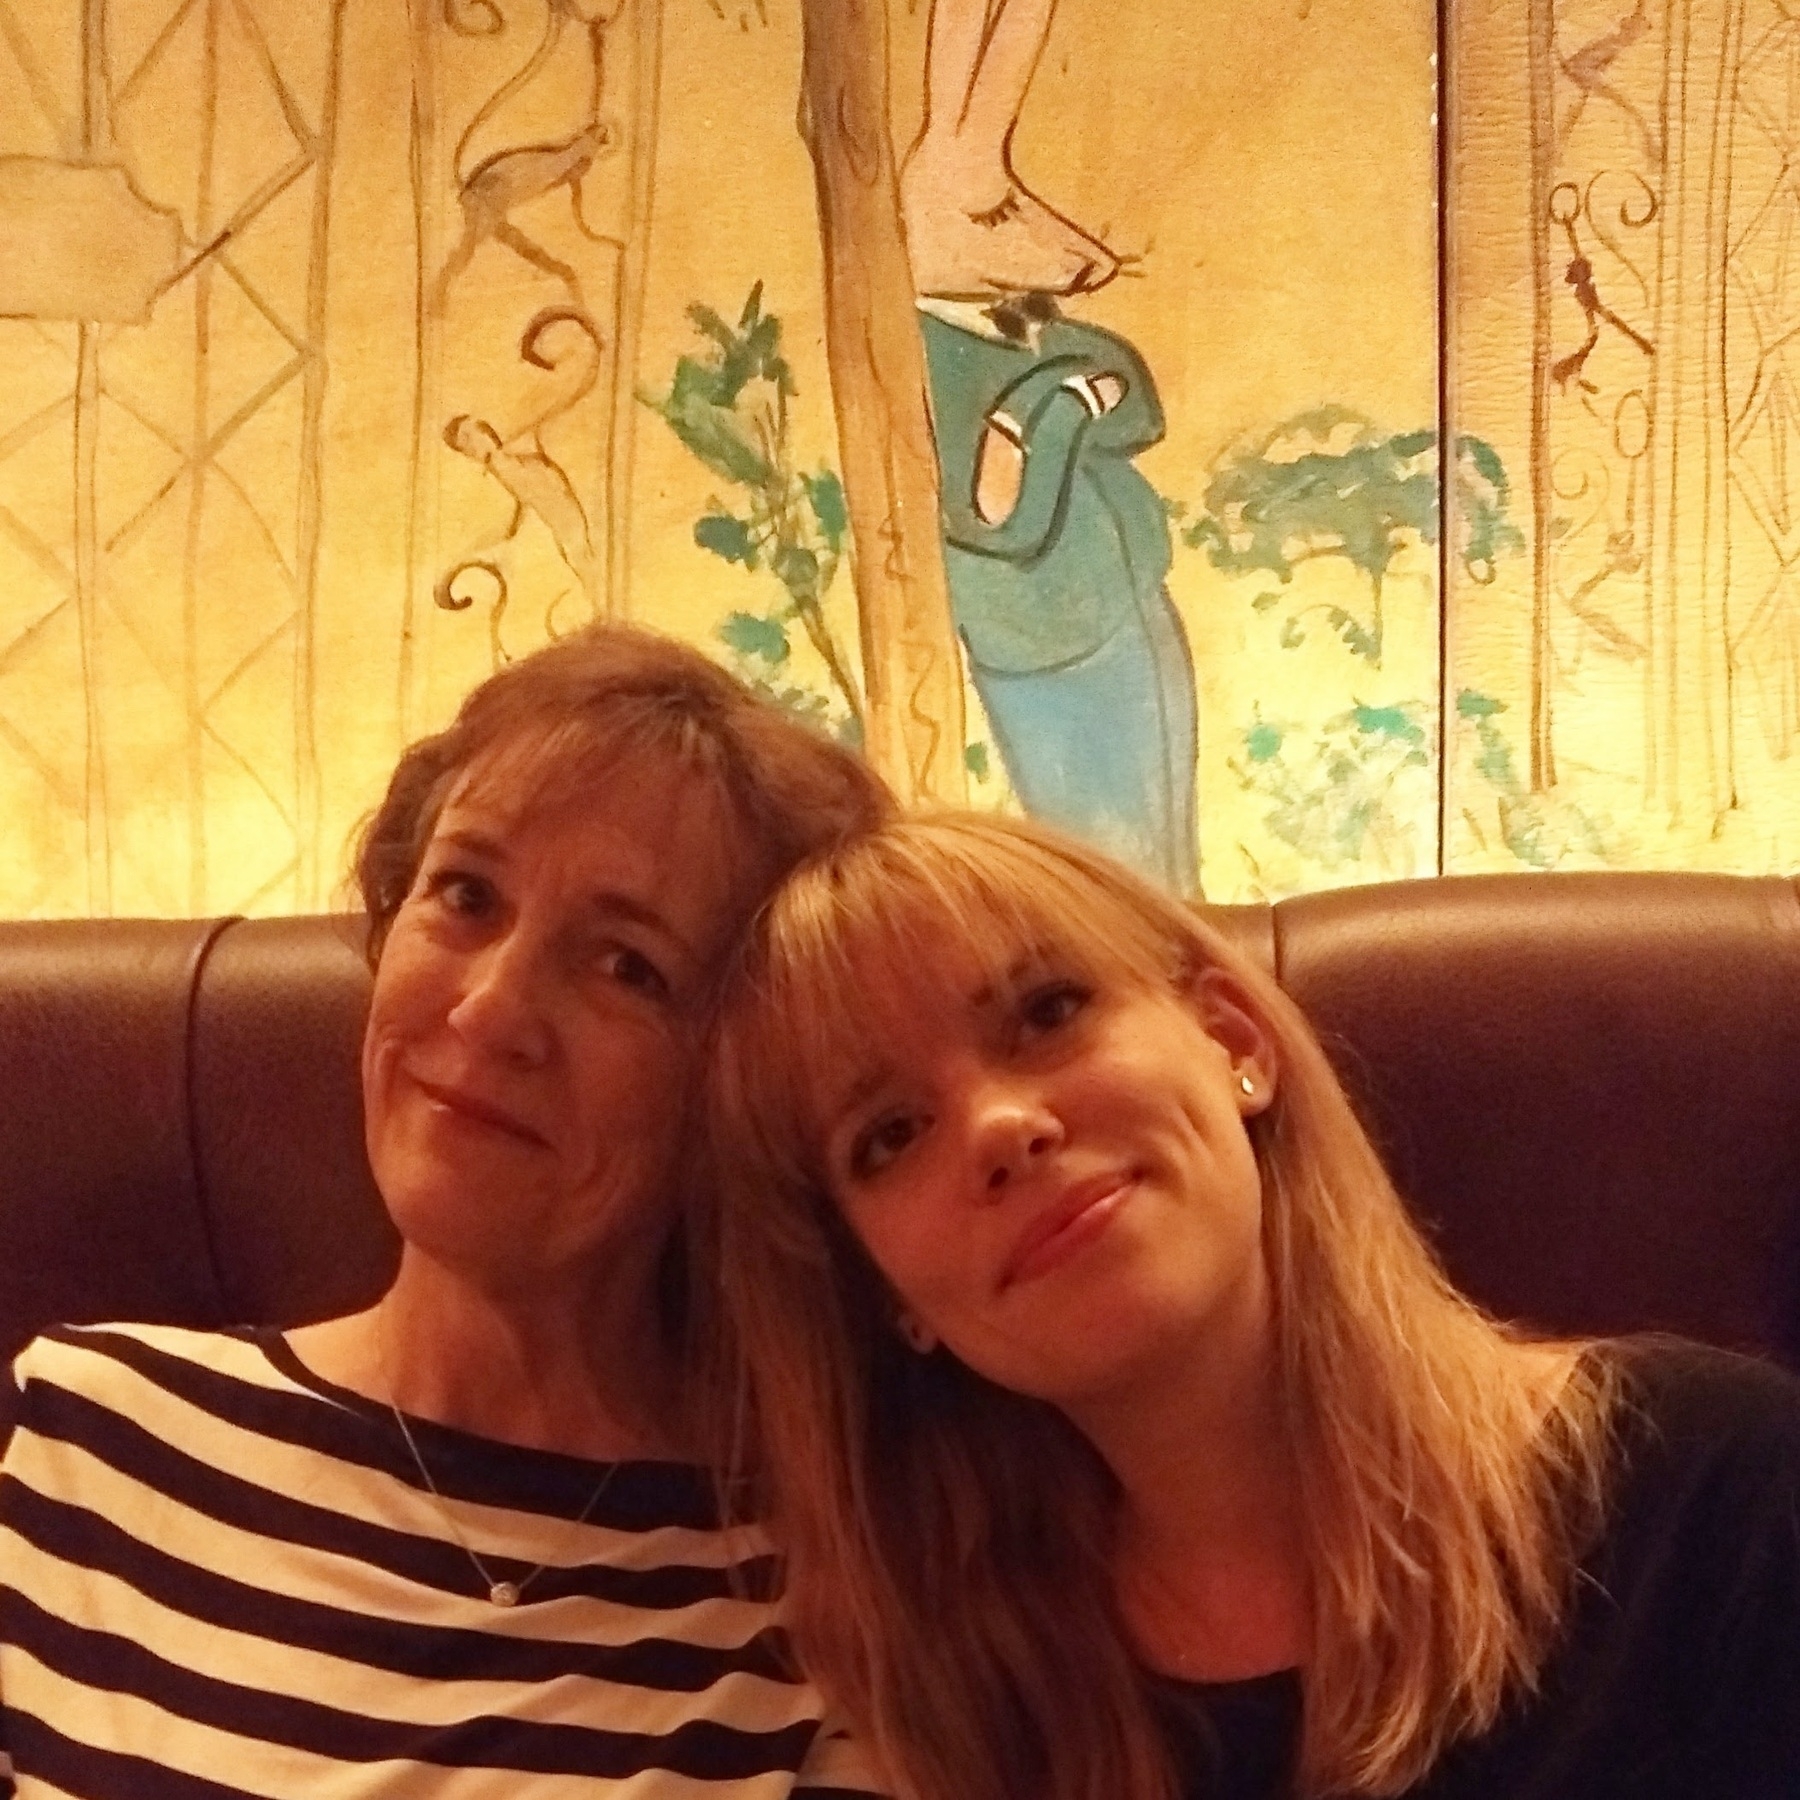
x=913 y=1248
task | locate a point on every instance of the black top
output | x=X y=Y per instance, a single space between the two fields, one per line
x=1679 y=1678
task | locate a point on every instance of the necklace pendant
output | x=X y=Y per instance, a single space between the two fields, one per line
x=504 y=1593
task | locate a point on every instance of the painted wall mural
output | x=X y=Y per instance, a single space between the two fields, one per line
x=1055 y=546
x=1644 y=652
x=533 y=152
x=1089 y=410
x=165 y=195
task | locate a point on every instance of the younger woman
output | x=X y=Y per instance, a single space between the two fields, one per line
x=1127 y=1442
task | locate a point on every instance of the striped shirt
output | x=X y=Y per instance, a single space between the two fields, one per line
x=221 y=1576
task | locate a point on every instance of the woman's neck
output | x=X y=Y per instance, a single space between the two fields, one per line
x=1210 y=1562
x=585 y=1370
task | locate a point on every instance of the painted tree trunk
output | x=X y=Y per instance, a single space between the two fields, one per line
x=911 y=668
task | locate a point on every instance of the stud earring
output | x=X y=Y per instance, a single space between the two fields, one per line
x=1248 y=1086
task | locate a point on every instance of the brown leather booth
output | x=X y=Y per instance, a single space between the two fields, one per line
x=1588 y=1085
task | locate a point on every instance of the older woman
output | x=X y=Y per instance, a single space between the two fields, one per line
x=454 y=1545
x=1125 y=1440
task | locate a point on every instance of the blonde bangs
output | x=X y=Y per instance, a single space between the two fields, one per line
x=898 y=927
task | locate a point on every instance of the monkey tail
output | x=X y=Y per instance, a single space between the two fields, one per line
x=577 y=365
x=604 y=133
x=514 y=85
x=578 y=206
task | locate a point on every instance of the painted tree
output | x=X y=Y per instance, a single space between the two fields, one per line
x=911 y=667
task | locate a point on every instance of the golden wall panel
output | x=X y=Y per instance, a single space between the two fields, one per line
x=1620 y=325
x=354 y=348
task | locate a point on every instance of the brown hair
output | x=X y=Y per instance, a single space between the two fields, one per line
x=568 y=718
x=950 y=1543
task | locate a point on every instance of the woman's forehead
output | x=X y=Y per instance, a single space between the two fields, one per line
x=903 y=987
x=509 y=799
x=967 y=928
x=652 y=831
x=550 y=767
x=920 y=940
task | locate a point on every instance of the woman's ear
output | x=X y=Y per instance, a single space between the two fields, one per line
x=1230 y=1016
x=917 y=1336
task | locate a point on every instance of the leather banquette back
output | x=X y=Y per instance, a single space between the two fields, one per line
x=1588 y=1087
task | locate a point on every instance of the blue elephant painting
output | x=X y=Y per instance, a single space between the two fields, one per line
x=1057 y=547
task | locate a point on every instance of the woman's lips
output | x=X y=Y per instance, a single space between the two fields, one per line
x=1066 y=1227
x=477 y=1110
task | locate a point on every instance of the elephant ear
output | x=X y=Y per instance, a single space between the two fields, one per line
x=973 y=229
x=979 y=60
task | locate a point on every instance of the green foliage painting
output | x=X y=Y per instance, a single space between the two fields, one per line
x=1538 y=829
x=1345 y=793
x=1331 y=483
x=1340 y=795
x=729 y=404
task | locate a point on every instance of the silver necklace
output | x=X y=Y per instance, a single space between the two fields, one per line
x=500 y=1593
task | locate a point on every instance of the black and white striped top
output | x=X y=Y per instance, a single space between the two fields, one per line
x=220 y=1576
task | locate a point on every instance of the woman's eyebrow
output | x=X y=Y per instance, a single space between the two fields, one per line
x=473 y=843
x=614 y=904
x=862 y=1090
x=1025 y=964
x=607 y=903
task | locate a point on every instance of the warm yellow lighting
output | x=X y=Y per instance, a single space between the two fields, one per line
x=344 y=342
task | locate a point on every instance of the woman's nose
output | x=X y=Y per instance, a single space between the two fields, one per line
x=1014 y=1130
x=502 y=1009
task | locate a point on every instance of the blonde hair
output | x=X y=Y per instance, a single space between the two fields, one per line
x=948 y=1542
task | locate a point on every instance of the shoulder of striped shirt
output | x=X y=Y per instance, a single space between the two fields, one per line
x=839 y=1767
x=105 y=1363
x=65 y=1350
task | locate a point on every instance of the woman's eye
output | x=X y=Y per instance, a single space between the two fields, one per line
x=633 y=969
x=457 y=891
x=1052 y=1005
x=880 y=1143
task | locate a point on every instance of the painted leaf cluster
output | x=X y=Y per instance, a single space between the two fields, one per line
x=1537 y=829
x=1331 y=483
x=728 y=403
x=1343 y=794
